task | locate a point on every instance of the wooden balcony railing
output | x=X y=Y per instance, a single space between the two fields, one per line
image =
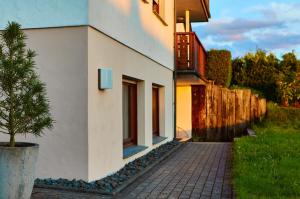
x=190 y=54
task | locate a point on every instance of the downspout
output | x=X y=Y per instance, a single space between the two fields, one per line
x=175 y=73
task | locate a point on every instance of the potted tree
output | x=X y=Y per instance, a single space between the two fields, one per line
x=24 y=109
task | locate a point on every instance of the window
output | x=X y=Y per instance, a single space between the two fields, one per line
x=155 y=110
x=156 y=6
x=129 y=113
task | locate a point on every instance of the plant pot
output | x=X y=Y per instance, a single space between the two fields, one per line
x=17 y=170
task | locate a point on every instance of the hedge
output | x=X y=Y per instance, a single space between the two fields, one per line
x=219 y=68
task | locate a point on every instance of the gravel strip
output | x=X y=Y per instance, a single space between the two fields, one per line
x=116 y=182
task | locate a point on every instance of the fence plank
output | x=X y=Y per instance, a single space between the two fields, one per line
x=224 y=114
x=231 y=121
x=247 y=106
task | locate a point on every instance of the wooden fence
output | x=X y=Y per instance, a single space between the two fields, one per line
x=229 y=112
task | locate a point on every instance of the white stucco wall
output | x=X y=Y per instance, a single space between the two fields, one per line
x=184 y=111
x=105 y=107
x=133 y=23
x=44 y=13
x=62 y=65
x=86 y=142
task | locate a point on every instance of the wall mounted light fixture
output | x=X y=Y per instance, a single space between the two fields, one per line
x=104 y=78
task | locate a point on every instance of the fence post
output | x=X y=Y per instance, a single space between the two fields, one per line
x=254 y=107
x=247 y=107
x=231 y=122
x=264 y=107
x=224 y=114
x=212 y=134
x=208 y=109
x=219 y=112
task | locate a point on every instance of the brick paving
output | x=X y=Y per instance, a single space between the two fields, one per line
x=59 y=194
x=198 y=170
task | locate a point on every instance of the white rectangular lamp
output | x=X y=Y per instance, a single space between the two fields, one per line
x=104 y=78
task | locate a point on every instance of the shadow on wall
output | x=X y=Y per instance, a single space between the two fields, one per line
x=131 y=22
x=134 y=24
x=217 y=134
x=221 y=134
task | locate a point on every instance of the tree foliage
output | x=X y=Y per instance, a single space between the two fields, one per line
x=24 y=107
x=277 y=79
x=219 y=67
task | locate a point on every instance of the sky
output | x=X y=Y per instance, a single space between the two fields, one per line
x=243 y=26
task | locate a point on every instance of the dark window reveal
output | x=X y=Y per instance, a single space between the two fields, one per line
x=129 y=114
x=155 y=110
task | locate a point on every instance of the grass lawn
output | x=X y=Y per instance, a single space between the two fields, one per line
x=268 y=166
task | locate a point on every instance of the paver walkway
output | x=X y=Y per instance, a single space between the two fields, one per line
x=59 y=194
x=198 y=170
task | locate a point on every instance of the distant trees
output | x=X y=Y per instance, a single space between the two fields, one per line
x=288 y=79
x=278 y=80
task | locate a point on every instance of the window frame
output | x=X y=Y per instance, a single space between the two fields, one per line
x=156 y=6
x=160 y=11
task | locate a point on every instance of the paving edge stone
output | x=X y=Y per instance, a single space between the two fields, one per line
x=124 y=185
x=131 y=180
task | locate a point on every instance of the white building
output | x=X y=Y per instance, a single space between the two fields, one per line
x=75 y=38
x=98 y=131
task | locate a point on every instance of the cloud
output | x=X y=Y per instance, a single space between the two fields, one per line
x=286 y=11
x=239 y=26
x=275 y=27
x=279 y=41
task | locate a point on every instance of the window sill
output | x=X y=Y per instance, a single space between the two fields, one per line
x=132 y=150
x=160 y=18
x=157 y=139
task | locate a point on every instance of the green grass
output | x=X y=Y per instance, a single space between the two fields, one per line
x=268 y=166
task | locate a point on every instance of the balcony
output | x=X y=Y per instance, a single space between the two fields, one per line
x=190 y=54
x=199 y=9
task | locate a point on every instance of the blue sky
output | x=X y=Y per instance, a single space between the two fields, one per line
x=242 y=26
